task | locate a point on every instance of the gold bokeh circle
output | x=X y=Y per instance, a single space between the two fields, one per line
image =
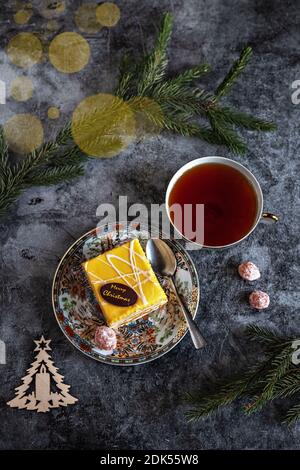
x=53 y=112
x=24 y=133
x=52 y=25
x=25 y=50
x=108 y=14
x=148 y=116
x=69 y=52
x=86 y=20
x=22 y=16
x=103 y=125
x=21 y=89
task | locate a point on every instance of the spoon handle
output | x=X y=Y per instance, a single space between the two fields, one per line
x=198 y=340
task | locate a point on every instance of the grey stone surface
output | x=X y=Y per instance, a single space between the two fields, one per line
x=141 y=407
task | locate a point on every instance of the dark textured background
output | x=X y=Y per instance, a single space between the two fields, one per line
x=140 y=407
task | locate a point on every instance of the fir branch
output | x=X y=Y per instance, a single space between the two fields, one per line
x=227 y=392
x=14 y=184
x=124 y=85
x=49 y=149
x=64 y=136
x=293 y=415
x=155 y=64
x=204 y=405
x=274 y=377
x=279 y=366
x=288 y=385
x=227 y=136
x=51 y=176
x=4 y=165
x=186 y=129
x=8 y=196
x=190 y=75
x=237 y=68
x=183 y=81
x=181 y=101
x=194 y=102
x=266 y=336
x=37 y=168
x=71 y=156
x=149 y=108
x=238 y=118
x=126 y=76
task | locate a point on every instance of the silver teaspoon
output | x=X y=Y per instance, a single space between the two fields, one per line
x=164 y=262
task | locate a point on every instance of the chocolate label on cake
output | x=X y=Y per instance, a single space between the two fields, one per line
x=118 y=294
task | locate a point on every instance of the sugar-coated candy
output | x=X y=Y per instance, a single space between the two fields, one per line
x=259 y=299
x=249 y=271
x=105 y=338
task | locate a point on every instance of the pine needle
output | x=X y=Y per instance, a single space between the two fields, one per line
x=190 y=75
x=51 y=176
x=155 y=63
x=240 y=119
x=293 y=415
x=191 y=130
x=288 y=385
x=237 y=68
x=279 y=366
x=126 y=76
x=4 y=166
x=266 y=336
x=227 y=136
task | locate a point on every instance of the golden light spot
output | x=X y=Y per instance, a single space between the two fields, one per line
x=24 y=133
x=53 y=112
x=103 y=125
x=52 y=25
x=108 y=14
x=148 y=116
x=52 y=8
x=22 y=16
x=21 y=89
x=69 y=52
x=25 y=50
x=86 y=20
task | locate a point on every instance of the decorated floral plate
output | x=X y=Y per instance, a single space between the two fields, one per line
x=78 y=313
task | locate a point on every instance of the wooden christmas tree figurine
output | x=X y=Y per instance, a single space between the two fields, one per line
x=36 y=392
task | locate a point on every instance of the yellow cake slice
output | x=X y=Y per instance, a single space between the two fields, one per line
x=124 y=283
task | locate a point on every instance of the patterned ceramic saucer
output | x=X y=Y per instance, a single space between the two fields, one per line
x=78 y=313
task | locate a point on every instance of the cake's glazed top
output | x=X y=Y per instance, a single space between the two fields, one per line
x=125 y=265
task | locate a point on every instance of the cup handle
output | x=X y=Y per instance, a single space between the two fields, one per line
x=268 y=217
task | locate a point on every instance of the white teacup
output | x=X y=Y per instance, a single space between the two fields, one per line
x=260 y=215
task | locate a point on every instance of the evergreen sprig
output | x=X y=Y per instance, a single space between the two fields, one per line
x=274 y=377
x=234 y=73
x=182 y=101
x=155 y=64
x=293 y=415
x=54 y=162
